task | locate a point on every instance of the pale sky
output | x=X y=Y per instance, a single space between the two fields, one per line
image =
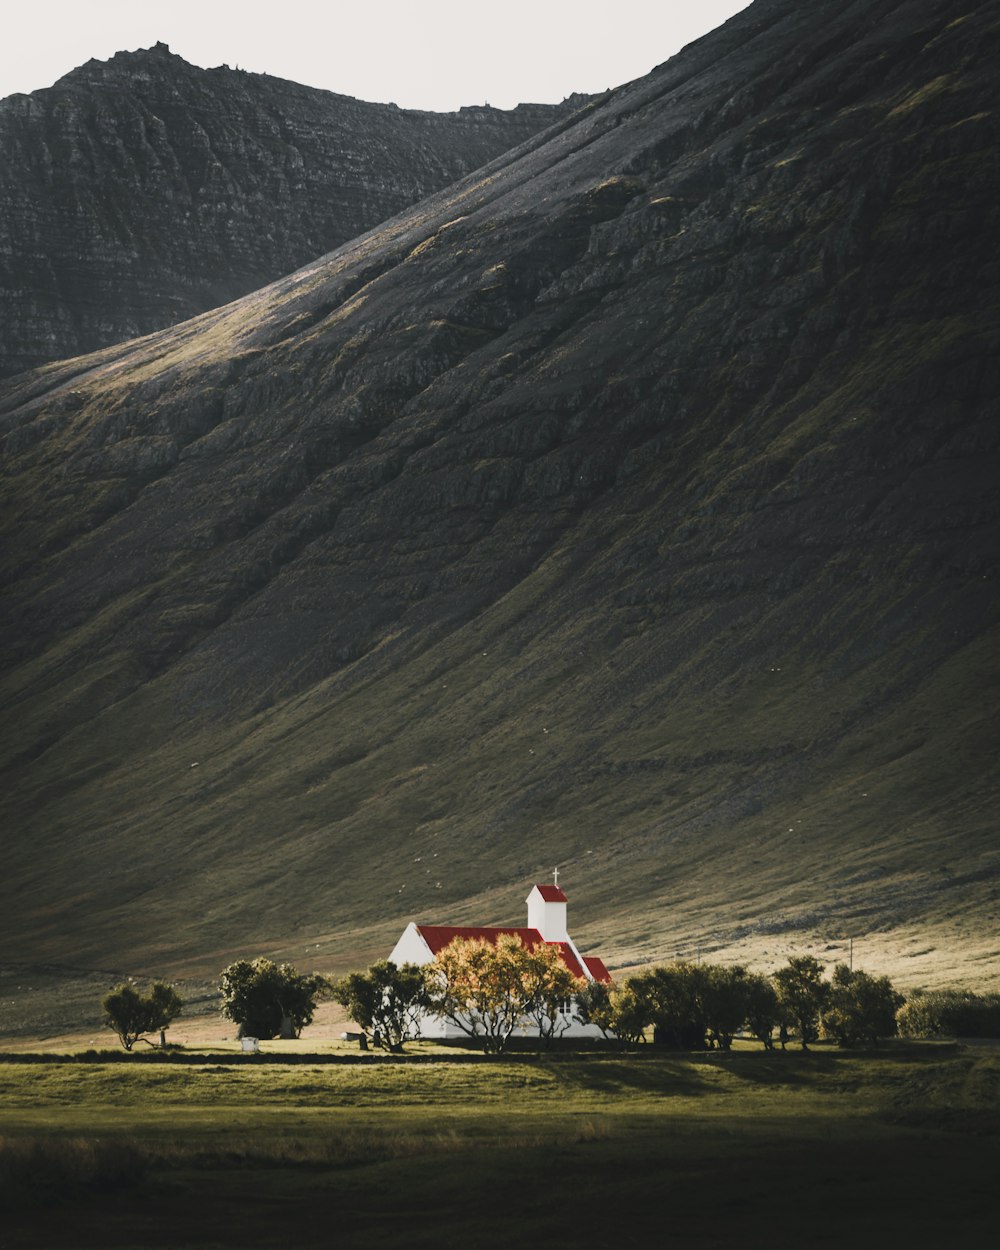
x=439 y=54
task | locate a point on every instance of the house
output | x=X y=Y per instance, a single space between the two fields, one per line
x=419 y=944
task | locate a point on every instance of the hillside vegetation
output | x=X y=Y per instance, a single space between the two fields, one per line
x=629 y=506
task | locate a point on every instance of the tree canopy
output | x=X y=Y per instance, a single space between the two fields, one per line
x=131 y=1014
x=594 y=1005
x=860 y=1007
x=802 y=994
x=690 y=1006
x=267 y=999
x=551 y=989
x=387 y=1001
x=762 y=1011
x=488 y=989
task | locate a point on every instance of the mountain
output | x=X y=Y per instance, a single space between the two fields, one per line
x=140 y=191
x=629 y=505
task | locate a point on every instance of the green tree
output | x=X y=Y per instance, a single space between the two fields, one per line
x=131 y=1014
x=632 y=1009
x=267 y=999
x=802 y=994
x=860 y=1007
x=680 y=1010
x=164 y=1006
x=593 y=1004
x=670 y=998
x=762 y=1011
x=725 y=995
x=386 y=1001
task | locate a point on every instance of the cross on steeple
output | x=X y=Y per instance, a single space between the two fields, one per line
x=555 y=876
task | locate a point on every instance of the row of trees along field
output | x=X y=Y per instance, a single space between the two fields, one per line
x=488 y=991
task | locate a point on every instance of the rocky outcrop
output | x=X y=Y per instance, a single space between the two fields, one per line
x=630 y=505
x=142 y=190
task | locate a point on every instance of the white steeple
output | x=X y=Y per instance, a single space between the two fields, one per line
x=547 y=911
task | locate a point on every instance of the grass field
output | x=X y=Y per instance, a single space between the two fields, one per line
x=825 y=1148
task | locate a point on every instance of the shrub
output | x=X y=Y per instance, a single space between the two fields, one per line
x=950 y=1013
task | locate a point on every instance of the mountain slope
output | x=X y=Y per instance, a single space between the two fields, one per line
x=630 y=505
x=139 y=191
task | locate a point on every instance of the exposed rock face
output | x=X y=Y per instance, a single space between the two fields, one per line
x=630 y=505
x=142 y=190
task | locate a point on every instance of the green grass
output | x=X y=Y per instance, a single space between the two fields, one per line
x=883 y=1148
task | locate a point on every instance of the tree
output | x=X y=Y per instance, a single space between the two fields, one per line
x=670 y=998
x=125 y=1012
x=859 y=1007
x=267 y=999
x=680 y=1014
x=386 y=1001
x=488 y=989
x=164 y=1006
x=551 y=989
x=632 y=1009
x=131 y=1014
x=762 y=1010
x=802 y=993
x=594 y=1005
x=725 y=1000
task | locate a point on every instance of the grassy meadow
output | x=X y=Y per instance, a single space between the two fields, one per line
x=879 y=1148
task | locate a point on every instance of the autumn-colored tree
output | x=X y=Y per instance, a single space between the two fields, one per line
x=488 y=989
x=551 y=989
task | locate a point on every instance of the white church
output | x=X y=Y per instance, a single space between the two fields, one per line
x=419 y=943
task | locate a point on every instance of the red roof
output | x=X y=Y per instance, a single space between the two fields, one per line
x=596 y=968
x=551 y=893
x=437 y=937
x=570 y=960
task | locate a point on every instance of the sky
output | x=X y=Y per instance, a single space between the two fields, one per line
x=438 y=54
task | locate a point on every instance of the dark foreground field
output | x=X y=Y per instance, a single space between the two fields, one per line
x=748 y=1149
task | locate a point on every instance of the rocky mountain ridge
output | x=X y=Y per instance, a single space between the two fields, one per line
x=139 y=191
x=629 y=505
